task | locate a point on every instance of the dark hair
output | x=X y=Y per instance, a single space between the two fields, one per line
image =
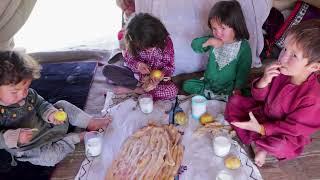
x=230 y=14
x=16 y=67
x=306 y=35
x=145 y=31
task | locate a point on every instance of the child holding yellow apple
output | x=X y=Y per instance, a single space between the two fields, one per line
x=32 y=129
x=149 y=60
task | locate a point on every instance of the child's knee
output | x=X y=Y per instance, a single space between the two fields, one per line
x=234 y=100
x=193 y=86
x=187 y=86
x=169 y=92
x=107 y=69
x=62 y=104
x=235 y=103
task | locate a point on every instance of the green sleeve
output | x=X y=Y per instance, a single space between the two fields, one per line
x=243 y=66
x=197 y=44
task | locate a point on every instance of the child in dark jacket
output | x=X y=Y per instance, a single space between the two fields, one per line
x=29 y=129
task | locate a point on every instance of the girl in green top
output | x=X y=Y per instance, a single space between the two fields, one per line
x=229 y=54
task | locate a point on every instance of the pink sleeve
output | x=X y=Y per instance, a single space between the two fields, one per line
x=303 y=121
x=168 y=58
x=259 y=94
x=163 y=59
x=131 y=62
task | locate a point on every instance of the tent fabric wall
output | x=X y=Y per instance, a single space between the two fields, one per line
x=13 y=15
x=256 y=13
x=187 y=19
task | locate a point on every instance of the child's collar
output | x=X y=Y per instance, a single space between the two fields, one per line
x=20 y=103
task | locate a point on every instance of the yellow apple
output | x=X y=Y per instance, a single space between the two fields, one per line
x=206 y=118
x=232 y=162
x=60 y=115
x=180 y=118
x=156 y=74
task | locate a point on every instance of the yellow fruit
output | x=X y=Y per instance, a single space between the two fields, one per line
x=156 y=74
x=206 y=118
x=180 y=118
x=232 y=162
x=60 y=115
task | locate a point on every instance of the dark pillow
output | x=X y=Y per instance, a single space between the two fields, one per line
x=58 y=56
x=274 y=40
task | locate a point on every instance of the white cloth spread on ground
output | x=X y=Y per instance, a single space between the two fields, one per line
x=199 y=161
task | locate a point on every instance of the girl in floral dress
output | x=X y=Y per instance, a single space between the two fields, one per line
x=148 y=47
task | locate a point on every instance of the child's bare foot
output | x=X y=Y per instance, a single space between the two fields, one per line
x=98 y=123
x=259 y=155
x=260 y=158
x=121 y=90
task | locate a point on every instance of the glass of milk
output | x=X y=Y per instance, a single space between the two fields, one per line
x=93 y=143
x=221 y=145
x=146 y=103
x=224 y=175
x=198 y=106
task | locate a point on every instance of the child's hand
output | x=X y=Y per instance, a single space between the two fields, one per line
x=143 y=68
x=251 y=125
x=157 y=79
x=150 y=85
x=216 y=43
x=53 y=120
x=236 y=92
x=145 y=79
x=269 y=73
x=25 y=136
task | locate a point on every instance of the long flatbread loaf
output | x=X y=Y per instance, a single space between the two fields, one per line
x=153 y=152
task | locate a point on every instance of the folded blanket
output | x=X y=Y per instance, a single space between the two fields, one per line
x=66 y=81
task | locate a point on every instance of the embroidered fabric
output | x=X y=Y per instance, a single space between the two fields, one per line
x=226 y=54
x=301 y=9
